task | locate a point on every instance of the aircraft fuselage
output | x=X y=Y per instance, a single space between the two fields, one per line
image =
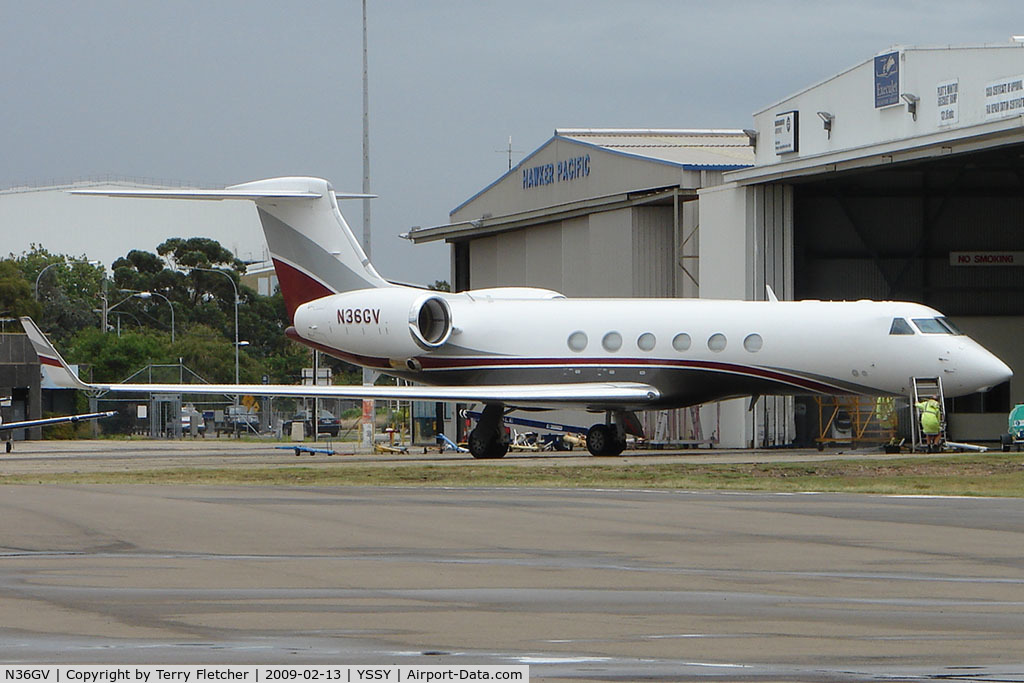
x=692 y=350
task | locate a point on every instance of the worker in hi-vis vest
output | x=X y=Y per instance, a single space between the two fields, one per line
x=931 y=422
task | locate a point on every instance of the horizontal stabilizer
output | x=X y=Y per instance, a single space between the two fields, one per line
x=215 y=195
x=269 y=189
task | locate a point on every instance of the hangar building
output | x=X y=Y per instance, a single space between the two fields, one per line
x=602 y=213
x=899 y=178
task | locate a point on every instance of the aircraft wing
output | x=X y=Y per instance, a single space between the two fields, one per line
x=7 y=426
x=585 y=394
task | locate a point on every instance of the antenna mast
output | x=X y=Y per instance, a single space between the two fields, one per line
x=366 y=142
x=510 y=151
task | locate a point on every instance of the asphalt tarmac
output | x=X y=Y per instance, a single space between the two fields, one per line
x=580 y=585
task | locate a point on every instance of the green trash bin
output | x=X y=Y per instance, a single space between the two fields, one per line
x=1014 y=428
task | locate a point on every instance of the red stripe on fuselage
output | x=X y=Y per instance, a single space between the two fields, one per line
x=297 y=287
x=437 y=363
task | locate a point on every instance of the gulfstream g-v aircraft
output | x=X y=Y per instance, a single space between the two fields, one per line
x=520 y=347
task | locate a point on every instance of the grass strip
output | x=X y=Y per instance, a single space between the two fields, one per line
x=974 y=475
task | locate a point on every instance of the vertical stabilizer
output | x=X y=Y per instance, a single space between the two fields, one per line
x=314 y=251
x=56 y=367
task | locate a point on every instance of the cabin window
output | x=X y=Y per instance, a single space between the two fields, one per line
x=900 y=326
x=681 y=342
x=753 y=343
x=931 y=326
x=717 y=342
x=646 y=341
x=578 y=341
x=612 y=341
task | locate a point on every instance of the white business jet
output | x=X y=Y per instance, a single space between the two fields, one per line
x=521 y=348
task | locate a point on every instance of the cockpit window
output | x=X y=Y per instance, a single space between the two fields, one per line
x=900 y=326
x=953 y=329
x=932 y=326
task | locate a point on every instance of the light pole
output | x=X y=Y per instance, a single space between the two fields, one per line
x=235 y=288
x=134 y=295
x=147 y=295
x=105 y=311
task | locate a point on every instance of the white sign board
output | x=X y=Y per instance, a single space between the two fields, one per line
x=947 y=102
x=786 y=136
x=1004 y=97
x=986 y=258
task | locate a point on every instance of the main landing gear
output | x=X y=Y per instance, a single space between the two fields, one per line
x=488 y=440
x=606 y=439
x=609 y=439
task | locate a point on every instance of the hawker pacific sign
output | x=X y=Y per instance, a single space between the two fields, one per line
x=887 y=79
x=563 y=171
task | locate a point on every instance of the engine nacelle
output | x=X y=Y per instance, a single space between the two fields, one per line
x=390 y=322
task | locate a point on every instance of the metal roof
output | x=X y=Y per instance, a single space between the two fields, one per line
x=696 y=149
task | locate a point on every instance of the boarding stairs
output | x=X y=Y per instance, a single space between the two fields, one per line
x=925 y=388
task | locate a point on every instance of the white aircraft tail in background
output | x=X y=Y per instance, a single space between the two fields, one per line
x=521 y=347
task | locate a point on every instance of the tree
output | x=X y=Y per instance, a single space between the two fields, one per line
x=114 y=358
x=15 y=292
x=66 y=288
x=198 y=251
x=71 y=289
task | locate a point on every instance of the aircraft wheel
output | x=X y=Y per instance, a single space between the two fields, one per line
x=485 y=446
x=10 y=446
x=601 y=441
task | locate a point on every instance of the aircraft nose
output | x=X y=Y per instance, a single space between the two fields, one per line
x=987 y=370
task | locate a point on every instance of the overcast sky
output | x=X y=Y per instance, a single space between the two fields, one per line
x=218 y=92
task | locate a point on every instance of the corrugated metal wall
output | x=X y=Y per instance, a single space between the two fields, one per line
x=770 y=262
x=653 y=272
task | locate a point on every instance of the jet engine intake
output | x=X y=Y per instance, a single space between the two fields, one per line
x=430 y=320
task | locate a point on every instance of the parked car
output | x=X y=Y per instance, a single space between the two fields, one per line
x=326 y=424
x=188 y=413
x=243 y=416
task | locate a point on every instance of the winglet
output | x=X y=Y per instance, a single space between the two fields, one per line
x=58 y=370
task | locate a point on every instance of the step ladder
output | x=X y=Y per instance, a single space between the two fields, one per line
x=661 y=430
x=925 y=388
x=698 y=431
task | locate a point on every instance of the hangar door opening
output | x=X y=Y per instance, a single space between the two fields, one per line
x=947 y=232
